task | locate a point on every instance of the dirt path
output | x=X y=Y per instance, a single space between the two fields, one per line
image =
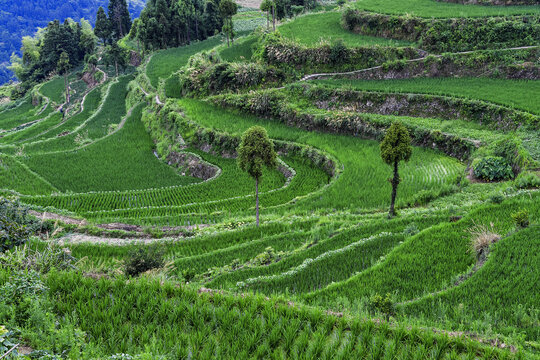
x=97 y=240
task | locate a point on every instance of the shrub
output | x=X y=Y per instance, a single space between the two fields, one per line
x=40 y=260
x=189 y=274
x=493 y=168
x=15 y=224
x=496 y=198
x=7 y=342
x=23 y=284
x=142 y=259
x=411 y=229
x=384 y=305
x=521 y=218
x=527 y=180
x=511 y=149
x=338 y=52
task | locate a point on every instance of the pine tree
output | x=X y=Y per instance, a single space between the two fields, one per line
x=119 y=18
x=228 y=9
x=103 y=27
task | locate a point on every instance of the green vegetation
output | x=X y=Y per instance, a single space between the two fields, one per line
x=125 y=162
x=166 y=62
x=519 y=94
x=312 y=29
x=441 y=9
x=129 y=221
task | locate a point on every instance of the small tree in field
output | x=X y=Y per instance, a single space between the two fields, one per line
x=395 y=147
x=255 y=151
x=63 y=67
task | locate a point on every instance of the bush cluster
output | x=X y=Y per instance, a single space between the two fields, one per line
x=142 y=259
x=207 y=74
x=273 y=49
x=448 y=35
x=493 y=168
x=16 y=225
x=527 y=180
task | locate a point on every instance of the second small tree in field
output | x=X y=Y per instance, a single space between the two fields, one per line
x=395 y=147
x=256 y=150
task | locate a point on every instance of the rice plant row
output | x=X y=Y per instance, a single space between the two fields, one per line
x=362 y=183
x=512 y=264
x=336 y=241
x=224 y=326
x=429 y=261
x=123 y=160
x=332 y=266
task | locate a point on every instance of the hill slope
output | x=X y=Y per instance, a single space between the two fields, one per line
x=22 y=18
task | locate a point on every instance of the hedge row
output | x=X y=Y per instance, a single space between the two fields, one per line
x=517 y=64
x=170 y=120
x=275 y=50
x=207 y=74
x=419 y=105
x=274 y=104
x=442 y=35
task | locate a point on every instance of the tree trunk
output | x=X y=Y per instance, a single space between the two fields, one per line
x=116 y=67
x=187 y=32
x=228 y=38
x=197 y=28
x=67 y=87
x=268 y=19
x=274 y=17
x=395 y=183
x=257 y=200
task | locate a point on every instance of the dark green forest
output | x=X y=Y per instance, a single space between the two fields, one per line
x=22 y=18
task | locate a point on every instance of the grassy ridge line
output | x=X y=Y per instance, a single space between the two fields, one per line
x=67 y=142
x=353 y=72
x=286 y=241
x=99 y=256
x=329 y=267
x=510 y=265
x=306 y=30
x=428 y=261
x=19 y=115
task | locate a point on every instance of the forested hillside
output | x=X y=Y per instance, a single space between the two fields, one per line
x=22 y=18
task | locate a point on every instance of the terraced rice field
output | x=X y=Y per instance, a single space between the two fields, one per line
x=305 y=30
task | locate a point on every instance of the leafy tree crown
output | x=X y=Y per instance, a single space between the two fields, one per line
x=255 y=151
x=396 y=145
x=63 y=65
